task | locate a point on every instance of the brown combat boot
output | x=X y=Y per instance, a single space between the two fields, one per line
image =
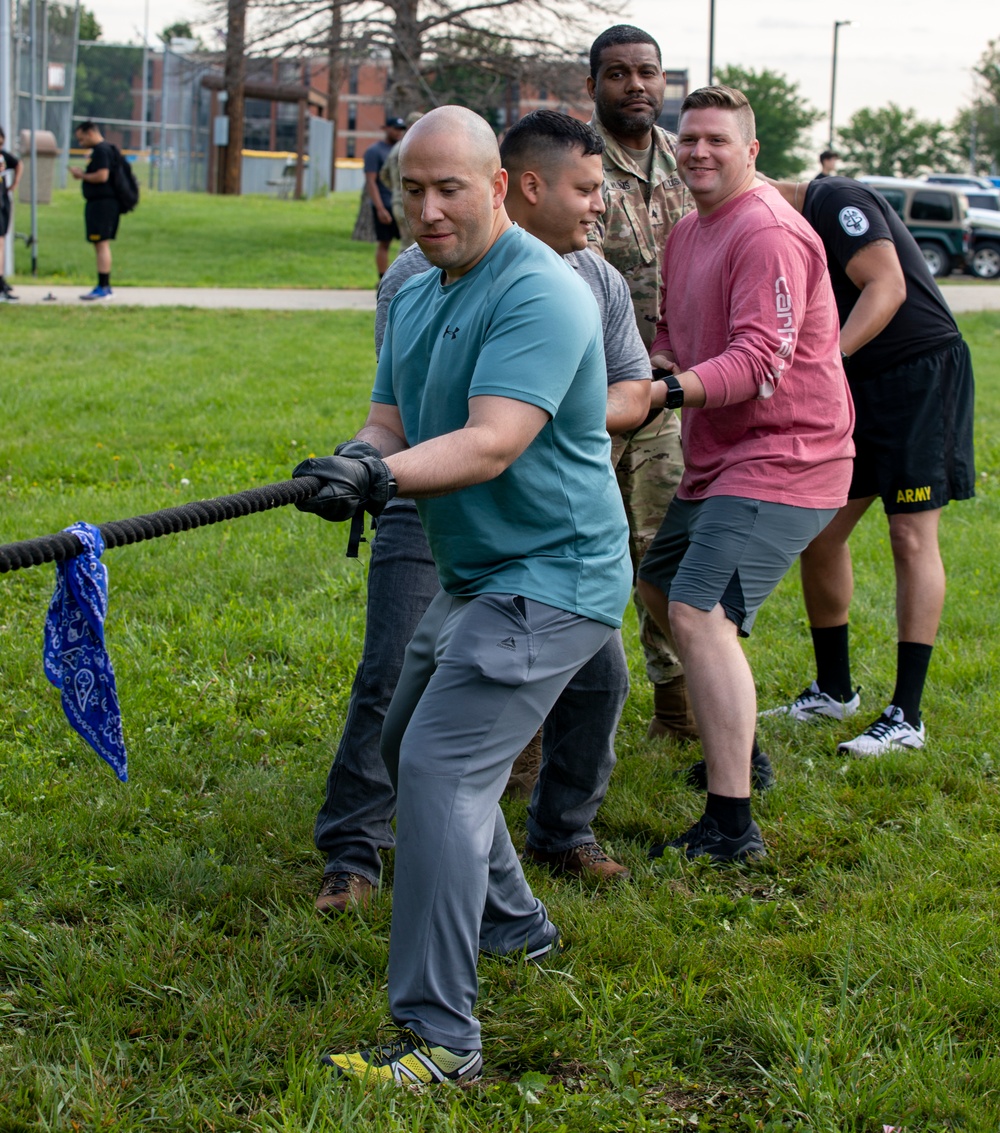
x=524 y=773
x=672 y=715
x=342 y=890
x=586 y=861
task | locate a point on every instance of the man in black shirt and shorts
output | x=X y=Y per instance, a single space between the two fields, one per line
x=8 y=164
x=101 y=210
x=911 y=378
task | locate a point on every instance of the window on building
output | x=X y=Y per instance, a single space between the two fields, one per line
x=352 y=116
x=352 y=147
x=352 y=79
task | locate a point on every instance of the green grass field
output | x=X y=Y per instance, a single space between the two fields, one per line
x=196 y=240
x=161 y=966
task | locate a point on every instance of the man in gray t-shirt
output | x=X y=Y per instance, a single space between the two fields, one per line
x=554 y=192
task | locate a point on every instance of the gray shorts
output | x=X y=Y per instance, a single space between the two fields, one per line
x=728 y=551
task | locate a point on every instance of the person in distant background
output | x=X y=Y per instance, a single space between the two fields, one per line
x=827 y=164
x=389 y=179
x=101 y=212
x=386 y=229
x=8 y=164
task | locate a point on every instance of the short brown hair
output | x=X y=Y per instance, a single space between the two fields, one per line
x=724 y=98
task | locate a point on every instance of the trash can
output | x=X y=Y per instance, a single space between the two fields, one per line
x=47 y=151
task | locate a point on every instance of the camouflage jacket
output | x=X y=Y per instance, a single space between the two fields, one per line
x=631 y=234
x=389 y=174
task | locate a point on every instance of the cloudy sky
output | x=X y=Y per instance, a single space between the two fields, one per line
x=917 y=53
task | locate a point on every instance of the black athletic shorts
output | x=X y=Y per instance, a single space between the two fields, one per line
x=4 y=217
x=913 y=432
x=385 y=233
x=101 y=219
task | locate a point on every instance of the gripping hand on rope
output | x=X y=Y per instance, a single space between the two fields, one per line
x=355 y=480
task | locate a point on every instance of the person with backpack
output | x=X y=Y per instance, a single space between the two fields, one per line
x=102 y=209
x=8 y=164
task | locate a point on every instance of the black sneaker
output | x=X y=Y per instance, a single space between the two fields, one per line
x=706 y=839
x=761 y=773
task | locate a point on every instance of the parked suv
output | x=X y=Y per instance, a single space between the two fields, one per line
x=984 y=262
x=935 y=214
x=960 y=180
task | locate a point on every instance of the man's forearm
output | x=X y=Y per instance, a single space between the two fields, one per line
x=872 y=313
x=385 y=440
x=373 y=192
x=628 y=406
x=446 y=463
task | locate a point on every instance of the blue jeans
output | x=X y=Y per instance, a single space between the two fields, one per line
x=355 y=821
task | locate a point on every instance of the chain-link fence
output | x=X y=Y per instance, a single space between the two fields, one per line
x=148 y=102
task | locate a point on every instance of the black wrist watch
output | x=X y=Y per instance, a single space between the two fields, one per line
x=675 y=391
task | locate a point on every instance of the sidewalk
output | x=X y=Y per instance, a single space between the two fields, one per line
x=244 y=298
x=961 y=297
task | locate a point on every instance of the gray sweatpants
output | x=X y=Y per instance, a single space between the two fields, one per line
x=479 y=678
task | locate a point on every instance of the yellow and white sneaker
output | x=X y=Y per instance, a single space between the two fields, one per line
x=408 y=1061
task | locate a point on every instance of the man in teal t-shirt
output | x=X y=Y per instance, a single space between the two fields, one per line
x=521 y=324
x=489 y=409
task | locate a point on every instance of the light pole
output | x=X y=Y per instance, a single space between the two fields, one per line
x=711 y=41
x=837 y=25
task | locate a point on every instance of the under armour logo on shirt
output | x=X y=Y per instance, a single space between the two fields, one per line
x=448 y=331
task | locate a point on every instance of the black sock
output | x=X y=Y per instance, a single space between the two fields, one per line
x=912 y=661
x=732 y=816
x=833 y=662
x=104 y=279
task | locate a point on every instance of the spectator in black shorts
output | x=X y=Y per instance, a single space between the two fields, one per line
x=911 y=378
x=386 y=229
x=101 y=209
x=8 y=164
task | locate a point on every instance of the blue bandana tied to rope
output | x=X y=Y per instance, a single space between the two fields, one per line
x=76 y=658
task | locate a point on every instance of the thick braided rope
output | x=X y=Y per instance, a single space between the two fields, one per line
x=120 y=532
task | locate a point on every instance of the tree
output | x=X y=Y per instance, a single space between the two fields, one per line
x=235 y=80
x=783 y=117
x=103 y=72
x=422 y=37
x=892 y=142
x=978 y=126
x=179 y=30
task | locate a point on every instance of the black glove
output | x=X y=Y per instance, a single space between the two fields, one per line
x=357 y=449
x=351 y=485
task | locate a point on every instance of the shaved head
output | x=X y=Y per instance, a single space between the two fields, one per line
x=455 y=132
x=453 y=188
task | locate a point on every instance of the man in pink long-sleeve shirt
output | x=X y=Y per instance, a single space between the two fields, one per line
x=748 y=340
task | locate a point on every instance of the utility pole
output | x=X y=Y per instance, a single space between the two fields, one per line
x=235 y=80
x=837 y=25
x=6 y=122
x=33 y=122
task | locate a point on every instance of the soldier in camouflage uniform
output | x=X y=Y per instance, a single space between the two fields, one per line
x=389 y=176
x=644 y=198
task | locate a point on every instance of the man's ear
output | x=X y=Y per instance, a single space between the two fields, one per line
x=530 y=184
x=591 y=87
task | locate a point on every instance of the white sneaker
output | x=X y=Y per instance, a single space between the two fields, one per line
x=890 y=732
x=810 y=704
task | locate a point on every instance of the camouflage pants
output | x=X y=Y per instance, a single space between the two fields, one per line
x=649 y=465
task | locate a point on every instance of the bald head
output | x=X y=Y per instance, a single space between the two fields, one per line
x=454 y=132
x=453 y=188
